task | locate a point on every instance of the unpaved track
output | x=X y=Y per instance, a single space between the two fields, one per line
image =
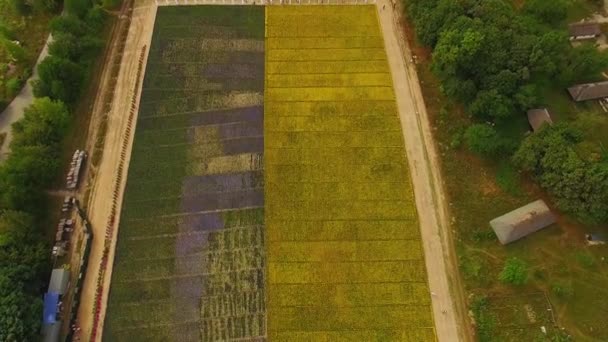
x=100 y=203
x=449 y=312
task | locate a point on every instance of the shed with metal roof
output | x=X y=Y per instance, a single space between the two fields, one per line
x=523 y=221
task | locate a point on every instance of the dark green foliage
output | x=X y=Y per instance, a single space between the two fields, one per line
x=111 y=4
x=491 y=56
x=77 y=8
x=72 y=53
x=67 y=46
x=60 y=79
x=45 y=5
x=551 y=12
x=44 y=123
x=577 y=186
x=515 y=272
x=13 y=86
x=22 y=266
x=20 y=7
x=14 y=50
x=68 y=24
x=24 y=176
x=483 y=139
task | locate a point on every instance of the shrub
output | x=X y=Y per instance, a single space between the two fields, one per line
x=483 y=139
x=13 y=86
x=515 y=272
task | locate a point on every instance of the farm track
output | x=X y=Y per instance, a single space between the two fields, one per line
x=441 y=259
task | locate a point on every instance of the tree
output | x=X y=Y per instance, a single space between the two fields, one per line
x=69 y=24
x=44 y=123
x=491 y=105
x=77 y=8
x=551 y=12
x=19 y=7
x=24 y=174
x=59 y=79
x=45 y=6
x=15 y=51
x=578 y=186
x=483 y=139
x=584 y=63
x=515 y=272
x=22 y=266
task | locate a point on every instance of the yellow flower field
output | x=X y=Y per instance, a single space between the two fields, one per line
x=343 y=249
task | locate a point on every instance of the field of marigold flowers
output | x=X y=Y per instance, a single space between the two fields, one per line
x=345 y=260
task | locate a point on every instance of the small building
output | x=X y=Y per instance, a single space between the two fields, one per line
x=589 y=91
x=596 y=239
x=59 y=281
x=538 y=117
x=583 y=31
x=522 y=222
x=51 y=317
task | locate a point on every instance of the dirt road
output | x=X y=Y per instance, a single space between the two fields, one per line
x=100 y=203
x=448 y=303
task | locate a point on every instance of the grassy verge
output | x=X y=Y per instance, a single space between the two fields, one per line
x=564 y=276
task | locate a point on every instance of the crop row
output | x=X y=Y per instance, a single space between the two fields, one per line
x=330 y=94
x=328 y=109
x=326 y=67
x=332 y=123
x=406 y=335
x=333 y=140
x=325 y=80
x=345 y=272
x=323 y=42
x=347 y=295
x=150 y=226
x=370 y=54
x=212 y=101
x=328 y=29
x=351 y=230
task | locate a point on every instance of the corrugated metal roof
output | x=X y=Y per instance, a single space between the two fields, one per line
x=584 y=29
x=589 y=91
x=59 y=280
x=522 y=221
x=537 y=117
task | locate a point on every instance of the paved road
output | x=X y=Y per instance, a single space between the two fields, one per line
x=14 y=111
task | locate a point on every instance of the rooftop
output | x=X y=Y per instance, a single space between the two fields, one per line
x=589 y=91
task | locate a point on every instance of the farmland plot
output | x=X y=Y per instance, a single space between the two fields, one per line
x=190 y=259
x=345 y=260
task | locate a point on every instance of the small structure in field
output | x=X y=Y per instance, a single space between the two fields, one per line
x=538 y=117
x=522 y=222
x=589 y=91
x=596 y=239
x=584 y=31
